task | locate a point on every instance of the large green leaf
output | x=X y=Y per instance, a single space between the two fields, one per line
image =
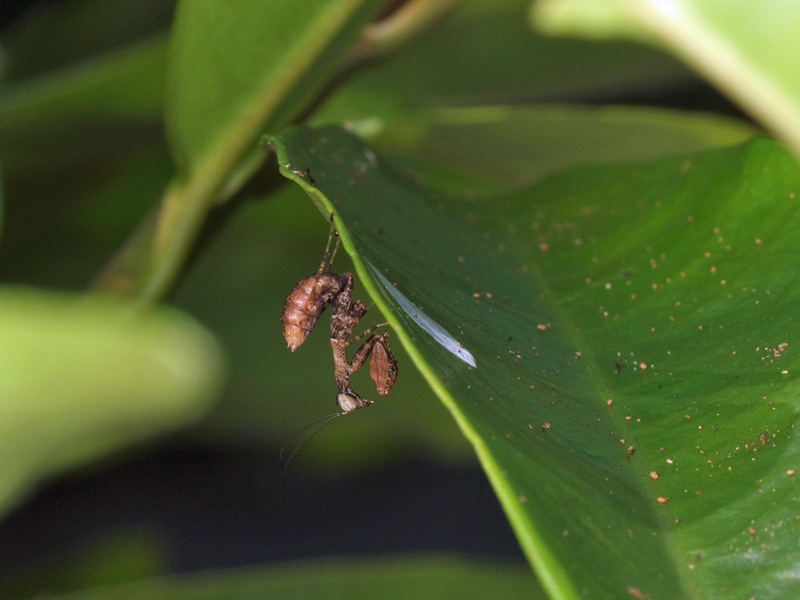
x=432 y=141
x=395 y=578
x=615 y=343
x=747 y=49
x=79 y=378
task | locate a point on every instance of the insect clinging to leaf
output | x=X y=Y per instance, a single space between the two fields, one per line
x=302 y=309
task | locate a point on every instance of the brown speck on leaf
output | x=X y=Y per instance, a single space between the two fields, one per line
x=541 y=327
x=609 y=402
x=662 y=499
x=631 y=450
x=752 y=530
x=653 y=475
x=790 y=472
x=545 y=426
x=638 y=594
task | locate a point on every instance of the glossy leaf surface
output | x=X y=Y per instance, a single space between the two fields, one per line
x=615 y=343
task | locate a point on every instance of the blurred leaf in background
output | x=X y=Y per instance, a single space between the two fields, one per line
x=400 y=578
x=748 y=51
x=80 y=378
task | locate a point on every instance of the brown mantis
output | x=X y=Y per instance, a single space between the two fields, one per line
x=302 y=309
